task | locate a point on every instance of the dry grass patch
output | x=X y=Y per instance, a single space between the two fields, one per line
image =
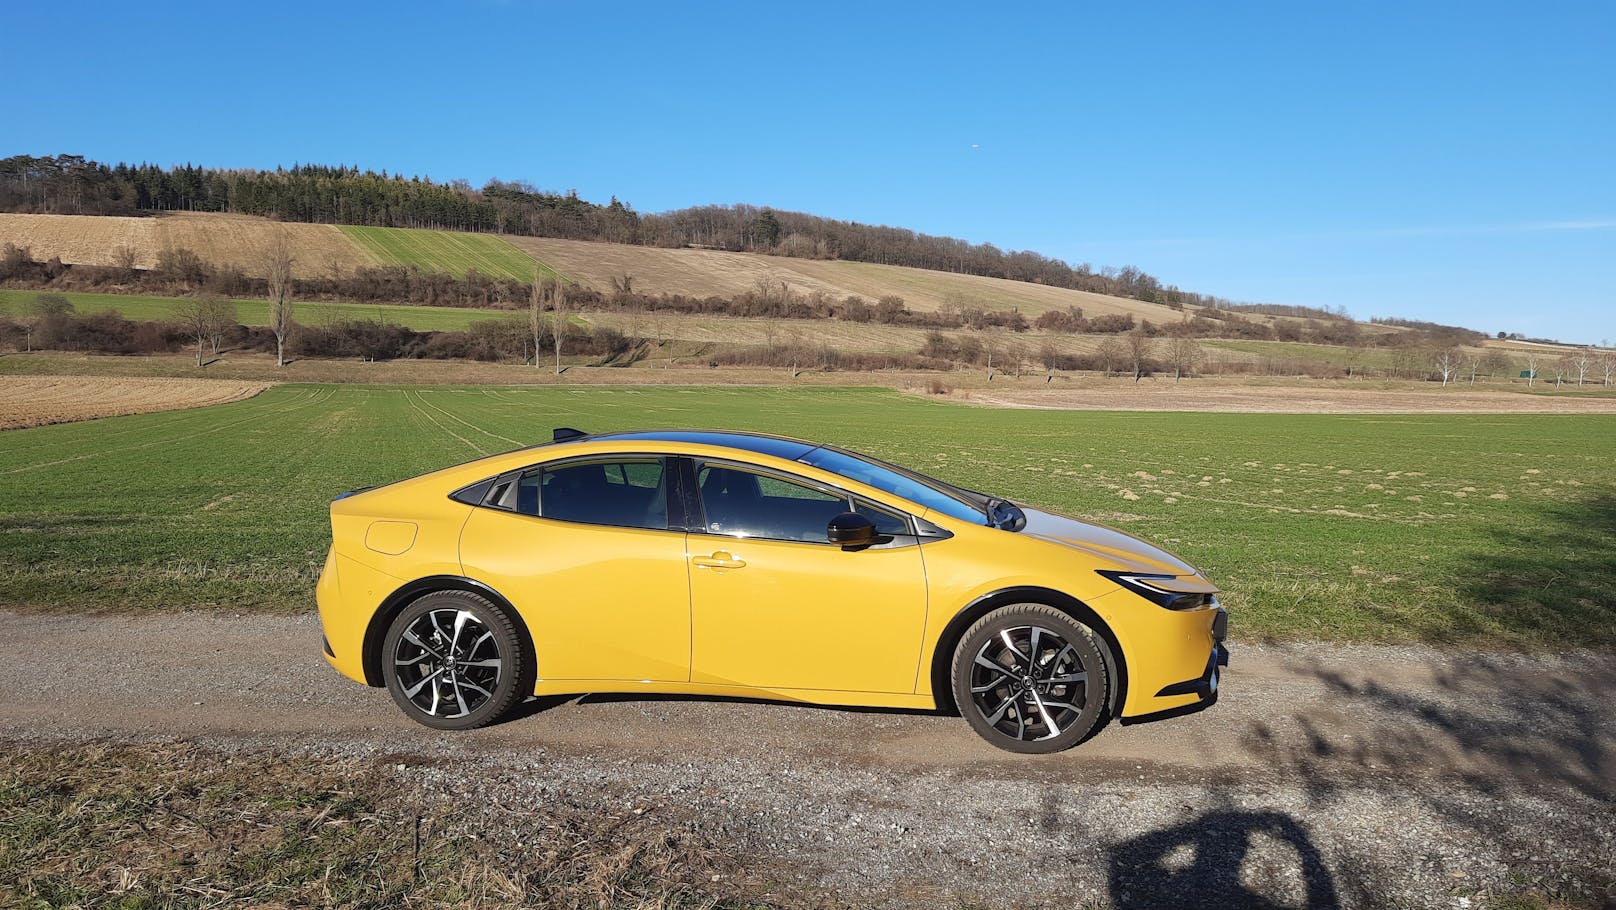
x=222 y=240
x=704 y=273
x=175 y=826
x=318 y=250
x=1291 y=397
x=31 y=401
x=82 y=240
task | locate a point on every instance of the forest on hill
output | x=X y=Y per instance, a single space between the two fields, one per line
x=75 y=185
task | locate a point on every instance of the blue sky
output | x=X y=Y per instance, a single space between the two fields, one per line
x=1453 y=162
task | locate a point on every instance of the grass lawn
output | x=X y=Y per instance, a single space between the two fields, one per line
x=256 y=312
x=448 y=251
x=1454 y=528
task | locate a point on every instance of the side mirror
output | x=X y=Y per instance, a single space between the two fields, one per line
x=850 y=529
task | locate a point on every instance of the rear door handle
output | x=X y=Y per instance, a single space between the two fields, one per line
x=720 y=560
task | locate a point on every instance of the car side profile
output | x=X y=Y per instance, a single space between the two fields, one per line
x=745 y=565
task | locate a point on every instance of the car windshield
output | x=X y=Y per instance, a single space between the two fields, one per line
x=917 y=488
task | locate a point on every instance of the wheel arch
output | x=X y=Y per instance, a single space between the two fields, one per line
x=943 y=655
x=394 y=603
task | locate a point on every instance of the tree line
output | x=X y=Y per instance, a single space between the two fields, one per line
x=75 y=185
x=207 y=325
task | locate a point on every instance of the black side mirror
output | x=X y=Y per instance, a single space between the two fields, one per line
x=850 y=529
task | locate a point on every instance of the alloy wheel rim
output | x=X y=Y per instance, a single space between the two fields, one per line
x=448 y=663
x=1029 y=683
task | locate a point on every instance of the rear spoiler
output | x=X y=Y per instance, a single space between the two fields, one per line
x=562 y=434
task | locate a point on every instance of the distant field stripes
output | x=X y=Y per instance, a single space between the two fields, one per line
x=446 y=251
x=256 y=312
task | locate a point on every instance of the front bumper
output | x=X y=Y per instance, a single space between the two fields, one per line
x=1204 y=686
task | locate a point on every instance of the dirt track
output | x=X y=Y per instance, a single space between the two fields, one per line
x=1298 y=397
x=1351 y=776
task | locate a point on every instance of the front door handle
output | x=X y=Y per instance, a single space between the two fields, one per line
x=720 y=560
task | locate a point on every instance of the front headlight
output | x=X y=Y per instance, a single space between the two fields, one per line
x=1171 y=600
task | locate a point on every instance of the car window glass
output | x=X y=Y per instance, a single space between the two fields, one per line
x=886 y=521
x=744 y=504
x=884 y=478
x=625 y=494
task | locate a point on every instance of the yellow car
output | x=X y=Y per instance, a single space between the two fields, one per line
x=738 y=564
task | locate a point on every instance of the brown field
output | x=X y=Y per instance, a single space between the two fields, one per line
x=1295 y=396
x=1073 y=391
x=318 y=250
x=233 y=240
x=31 y=401
x=80 y=240
x=323 y=249
x=701 y=273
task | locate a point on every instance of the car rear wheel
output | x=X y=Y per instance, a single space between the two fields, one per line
x=454 y=660
x=1030 y=678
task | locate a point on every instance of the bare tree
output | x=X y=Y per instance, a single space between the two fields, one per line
x=1447 y=362
x=1015 y=354
x=1184 y=353
x=188 y=313
x=278 y=262
x=1607 y=365
x=218 y=315
x=123 y=258
x=1109 y=353
x=1581 y=362
x=1532 y=358
x=535 y=321
x=559 y=296
x=1561 y=366
x=1497 y=363
x=1140 y=347
x=621 y=286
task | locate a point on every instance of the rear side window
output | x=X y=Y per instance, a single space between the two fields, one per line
x=629 y=493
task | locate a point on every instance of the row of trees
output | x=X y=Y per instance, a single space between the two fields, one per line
x=73 y=184
x=208 y=325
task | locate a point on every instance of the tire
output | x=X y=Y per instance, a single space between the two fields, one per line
x=1062 y=701
x=476 y=684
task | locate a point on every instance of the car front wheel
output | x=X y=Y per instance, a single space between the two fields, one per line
x=1030 y=678
x=453 y=660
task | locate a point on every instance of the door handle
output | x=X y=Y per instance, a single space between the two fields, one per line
x=720 y=560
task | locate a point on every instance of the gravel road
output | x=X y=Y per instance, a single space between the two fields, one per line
x=1352 y=776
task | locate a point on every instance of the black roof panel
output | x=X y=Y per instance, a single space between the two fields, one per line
x=777 y=446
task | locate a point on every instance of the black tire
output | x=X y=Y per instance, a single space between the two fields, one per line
x=1046 y=703
x=478 y=682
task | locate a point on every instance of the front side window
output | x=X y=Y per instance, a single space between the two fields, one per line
x=917 y=488
x=741 y=503
x=622 y=493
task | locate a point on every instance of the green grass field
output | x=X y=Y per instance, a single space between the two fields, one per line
x=1478 y=528
x=256 y=312
x=447 y=251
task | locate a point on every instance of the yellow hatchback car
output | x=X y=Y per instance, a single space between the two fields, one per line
x=738 y=564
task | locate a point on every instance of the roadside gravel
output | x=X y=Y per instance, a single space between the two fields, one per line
x=1354 y=776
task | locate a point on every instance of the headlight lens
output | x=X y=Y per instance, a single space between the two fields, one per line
x=1171 y=600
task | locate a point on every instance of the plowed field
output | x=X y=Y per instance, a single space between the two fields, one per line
x=31 y=401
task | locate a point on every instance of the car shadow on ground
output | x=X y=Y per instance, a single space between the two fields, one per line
x=535 y=705
x=1224 y=858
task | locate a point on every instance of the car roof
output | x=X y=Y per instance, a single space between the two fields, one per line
x=760 y=443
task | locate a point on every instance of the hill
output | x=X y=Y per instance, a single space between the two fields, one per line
x=320 y=249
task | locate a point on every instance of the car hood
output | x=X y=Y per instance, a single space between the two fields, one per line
x=1128 y=552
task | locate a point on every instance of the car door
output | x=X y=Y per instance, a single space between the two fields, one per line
x=583 y=549
x=776 y=606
